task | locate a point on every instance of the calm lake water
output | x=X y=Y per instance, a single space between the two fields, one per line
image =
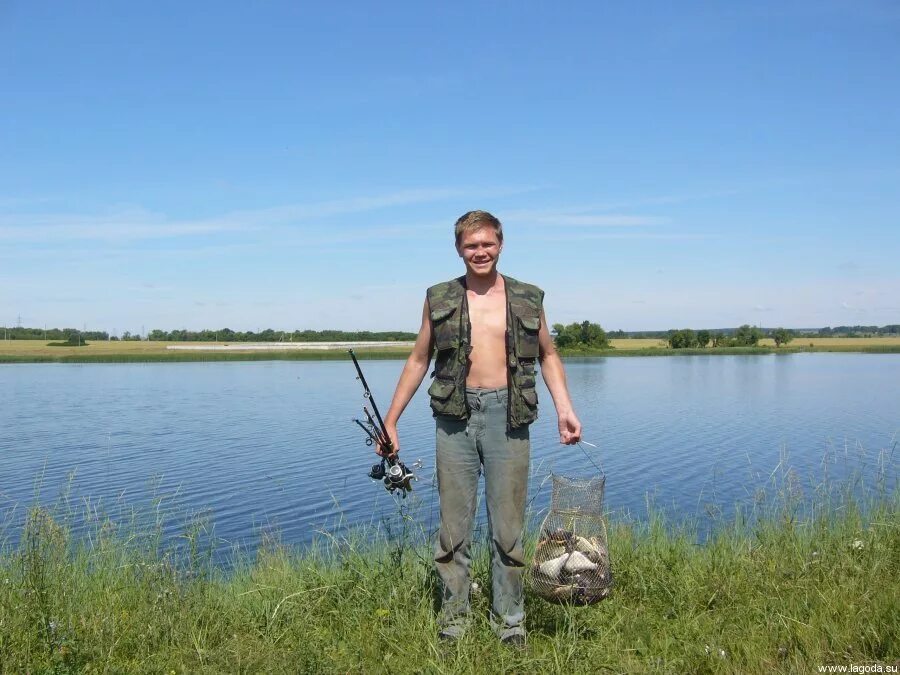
x=269 y=446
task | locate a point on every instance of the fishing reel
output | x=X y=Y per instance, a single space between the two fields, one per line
x=395 y=476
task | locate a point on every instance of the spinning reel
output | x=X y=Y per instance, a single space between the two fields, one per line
x=395 y=476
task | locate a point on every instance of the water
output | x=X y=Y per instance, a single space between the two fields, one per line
x=269 y=446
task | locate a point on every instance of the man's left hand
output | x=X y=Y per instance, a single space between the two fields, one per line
x=569 y=428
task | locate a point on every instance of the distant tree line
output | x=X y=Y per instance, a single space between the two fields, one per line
x=584 y=334
x=580 y=335
x=270 y=335
x=743 y=336
x=222 y=335
x=855 y=331
x=837 y=331
x=63 y=334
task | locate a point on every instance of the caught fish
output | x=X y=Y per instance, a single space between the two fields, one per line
x=571 y=561
x=586 y=545
x=558 y=536
x=564 y=592
x=547 y=549
x=578 y=562
x=553 y=567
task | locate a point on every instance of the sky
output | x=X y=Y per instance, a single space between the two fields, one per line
x=301 y=165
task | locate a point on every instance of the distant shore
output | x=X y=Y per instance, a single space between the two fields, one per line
x=38 y=351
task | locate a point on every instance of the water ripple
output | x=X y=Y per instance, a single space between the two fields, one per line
x=263 y=447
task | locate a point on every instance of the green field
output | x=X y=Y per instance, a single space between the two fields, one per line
x=37 y=351
x=782 y=595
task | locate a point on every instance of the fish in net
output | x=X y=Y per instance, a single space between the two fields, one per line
x=571 y=561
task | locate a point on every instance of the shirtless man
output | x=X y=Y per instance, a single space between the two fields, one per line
x=486 y=332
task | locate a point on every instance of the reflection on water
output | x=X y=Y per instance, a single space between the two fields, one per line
x=270 y=446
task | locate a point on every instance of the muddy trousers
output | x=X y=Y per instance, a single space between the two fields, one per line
x=464 y=449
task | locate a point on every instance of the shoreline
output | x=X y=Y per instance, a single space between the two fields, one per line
x=197 y=353
x=122 y=602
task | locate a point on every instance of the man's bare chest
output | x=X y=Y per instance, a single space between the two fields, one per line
x=487 y=316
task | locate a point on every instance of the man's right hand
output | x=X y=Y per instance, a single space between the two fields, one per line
x=395 y=441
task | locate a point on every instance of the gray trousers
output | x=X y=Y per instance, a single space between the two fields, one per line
x=464 y=448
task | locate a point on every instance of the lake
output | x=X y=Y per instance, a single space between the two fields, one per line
x=269 y=446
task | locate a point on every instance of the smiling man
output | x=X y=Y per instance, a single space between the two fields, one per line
x=486 y=332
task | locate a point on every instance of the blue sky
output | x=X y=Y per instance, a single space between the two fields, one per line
x=291 y=165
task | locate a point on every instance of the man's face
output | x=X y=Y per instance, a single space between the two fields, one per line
x=480 y=250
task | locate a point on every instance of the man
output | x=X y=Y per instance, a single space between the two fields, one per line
x=486 y=331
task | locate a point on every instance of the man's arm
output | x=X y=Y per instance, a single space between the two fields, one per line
x=410 y=379
x=555 y=378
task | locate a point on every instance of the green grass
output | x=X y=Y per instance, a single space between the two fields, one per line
x=734 y=351
x=179 y=356
x=783 y=594
x=340 y=354
x=37 y=351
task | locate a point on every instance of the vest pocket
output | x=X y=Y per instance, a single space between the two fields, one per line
x=441 y=391
x=444 y=330
x=525 y=377
x=524 y=408
x=526 y=336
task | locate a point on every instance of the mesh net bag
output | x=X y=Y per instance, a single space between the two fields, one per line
x=571 y=560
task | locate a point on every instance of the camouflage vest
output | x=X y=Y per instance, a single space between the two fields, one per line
x=452 y=342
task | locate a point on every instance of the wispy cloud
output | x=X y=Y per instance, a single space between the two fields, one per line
x=134 y=224
x=603 y=209
x=598 y=220
x=578 y=216
x=582 y=236
x=113 y=226
x=305 y=212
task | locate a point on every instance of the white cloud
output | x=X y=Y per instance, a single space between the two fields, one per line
x=602 y=220
x=699 y=305
x=114 y=226
x=134 y=224
x=582 y=236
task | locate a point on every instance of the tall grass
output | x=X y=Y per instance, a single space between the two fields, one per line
x=783 y=589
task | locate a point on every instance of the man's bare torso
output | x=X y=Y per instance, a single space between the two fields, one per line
x=487 y=315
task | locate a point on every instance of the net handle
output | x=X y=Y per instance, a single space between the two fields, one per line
x=596 y=464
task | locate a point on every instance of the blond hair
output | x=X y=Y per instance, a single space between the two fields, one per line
x=475 y=220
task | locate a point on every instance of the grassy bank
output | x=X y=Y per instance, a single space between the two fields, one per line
x=736 y=351
x=23 y=351
x=784 y=595
x=34 y=351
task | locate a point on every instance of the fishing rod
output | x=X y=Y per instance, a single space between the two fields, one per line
x=390 y=470
x=372 y=424
x=372 y=438
x=388 y=445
